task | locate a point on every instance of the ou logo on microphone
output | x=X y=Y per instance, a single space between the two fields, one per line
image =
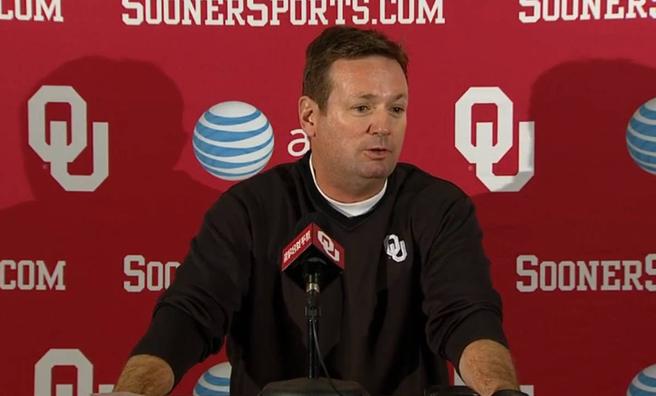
x=328 y=245
x=484 y=154
x=58 y=152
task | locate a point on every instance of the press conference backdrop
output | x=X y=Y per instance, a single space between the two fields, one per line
x=119 y=123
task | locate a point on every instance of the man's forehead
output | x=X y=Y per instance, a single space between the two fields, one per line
x=348 y=64
x=367 y=70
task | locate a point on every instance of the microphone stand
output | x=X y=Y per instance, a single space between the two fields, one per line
x=312 y=385
x=312 y=315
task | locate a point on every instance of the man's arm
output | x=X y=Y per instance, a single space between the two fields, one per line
x=193 y=314
x=463 y=309
x=146 y=375
x=486 y=366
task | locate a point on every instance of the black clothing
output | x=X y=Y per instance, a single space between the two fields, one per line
x=387 y=323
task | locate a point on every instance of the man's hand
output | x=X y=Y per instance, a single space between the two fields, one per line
x=144 y=375
x=116 y=394
x=486 y=367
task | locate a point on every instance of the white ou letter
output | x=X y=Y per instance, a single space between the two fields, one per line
x=395 y=248
x=58 y=152
x=484 y=154
x=63 y=357
x=328 y=245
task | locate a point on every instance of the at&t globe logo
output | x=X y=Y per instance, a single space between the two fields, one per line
x=641 y=137
x=644 y=384
x=233 y=140
x=215 y=381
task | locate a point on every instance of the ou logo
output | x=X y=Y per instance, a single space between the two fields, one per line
x=58 y=152
x=328 y=245
x=484 y=154
x=395 y=248
x=45 y=381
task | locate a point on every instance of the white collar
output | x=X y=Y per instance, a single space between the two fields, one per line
x=350 y=209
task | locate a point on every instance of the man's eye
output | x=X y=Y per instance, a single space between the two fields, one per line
x=398 y=109
x=361 y=108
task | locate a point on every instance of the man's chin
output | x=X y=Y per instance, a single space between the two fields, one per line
x=377 y=171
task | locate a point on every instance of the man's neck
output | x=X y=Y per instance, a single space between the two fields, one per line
x=345 y=193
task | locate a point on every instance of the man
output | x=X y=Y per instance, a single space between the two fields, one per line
x=416 y=288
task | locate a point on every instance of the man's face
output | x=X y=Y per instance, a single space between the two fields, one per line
x=359 y=134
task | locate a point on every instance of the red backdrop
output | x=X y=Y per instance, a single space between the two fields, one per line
x=568 y=217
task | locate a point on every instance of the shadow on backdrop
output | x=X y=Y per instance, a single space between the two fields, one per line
x=587 y=201
x=144 y=208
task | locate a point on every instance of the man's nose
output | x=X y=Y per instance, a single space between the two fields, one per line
x=381 y=123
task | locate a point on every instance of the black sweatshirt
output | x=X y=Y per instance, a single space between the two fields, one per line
x=388 y=323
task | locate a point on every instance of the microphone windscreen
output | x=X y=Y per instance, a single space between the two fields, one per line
x=313 y=249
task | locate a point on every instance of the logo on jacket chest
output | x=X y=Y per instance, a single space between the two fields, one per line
x=395 y=248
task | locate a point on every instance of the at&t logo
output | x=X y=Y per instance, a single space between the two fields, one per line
x=641 y=137
x=233 y=140
x=485 y=154
x=643 y=384
x=215 y=381
x=56 y=150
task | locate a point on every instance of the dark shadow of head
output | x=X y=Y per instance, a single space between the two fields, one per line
x=143 y=110
x=581 y=111
x=584 y=174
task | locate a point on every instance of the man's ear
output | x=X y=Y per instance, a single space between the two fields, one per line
x=308 y=110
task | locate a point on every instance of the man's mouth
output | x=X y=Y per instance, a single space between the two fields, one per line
x=377 y=152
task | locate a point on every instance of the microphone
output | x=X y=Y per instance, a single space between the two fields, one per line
x=312 y=251
x=312 y=260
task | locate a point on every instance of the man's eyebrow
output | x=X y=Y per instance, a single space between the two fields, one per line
x=372 y=96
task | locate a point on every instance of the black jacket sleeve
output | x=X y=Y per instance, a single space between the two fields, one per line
x=460 y=304
x=194 y=313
